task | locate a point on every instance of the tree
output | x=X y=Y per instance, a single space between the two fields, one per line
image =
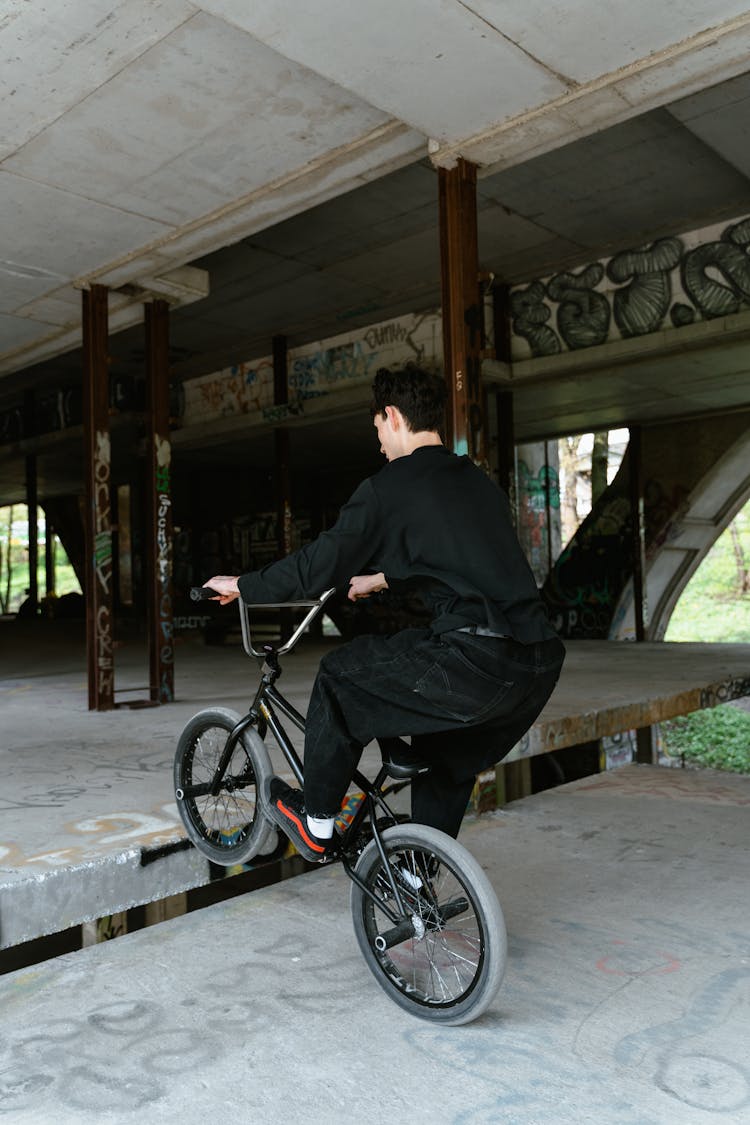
x=743 y=572
x=599 y=463
x=569 y=472
x=5 y=597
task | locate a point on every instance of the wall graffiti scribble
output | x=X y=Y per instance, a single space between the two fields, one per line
x=165 y=630
x=102 y=563
x=665 y=283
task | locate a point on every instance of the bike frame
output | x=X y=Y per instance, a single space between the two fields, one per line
x=262 y=714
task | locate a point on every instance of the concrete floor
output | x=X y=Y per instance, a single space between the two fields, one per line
x=626 y=999
x=626 y=996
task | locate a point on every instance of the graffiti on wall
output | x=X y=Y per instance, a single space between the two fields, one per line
x=538 y=497
x=313 y=371
x=667 y=283
x=163 y=455
x=102 y=563
x=240 y=389
x=585 y=585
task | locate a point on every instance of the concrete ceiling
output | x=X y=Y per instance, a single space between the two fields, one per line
x=289 y=153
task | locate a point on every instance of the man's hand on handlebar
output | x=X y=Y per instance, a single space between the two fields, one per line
x=226 y=587
x=362 y=585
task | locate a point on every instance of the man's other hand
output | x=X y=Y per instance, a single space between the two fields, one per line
x=362 y=585
x=226 y=586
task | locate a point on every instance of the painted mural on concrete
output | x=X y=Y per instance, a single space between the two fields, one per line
x=538 y=489
x=668 y=283
x=314 y=370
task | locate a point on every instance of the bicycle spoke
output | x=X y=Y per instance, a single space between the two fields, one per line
x=227 y=817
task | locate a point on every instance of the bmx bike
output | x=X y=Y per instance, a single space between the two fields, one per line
x=426 y=917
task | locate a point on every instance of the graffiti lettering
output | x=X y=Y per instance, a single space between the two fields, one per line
x=642 y=305
x=727 y=257
x=583 y=314
x=652 y=281
x=165 y=674
x=530 y=315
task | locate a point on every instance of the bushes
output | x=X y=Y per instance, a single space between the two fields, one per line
x=718 y=737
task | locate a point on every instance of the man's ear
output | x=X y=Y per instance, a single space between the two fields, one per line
x=393 y=414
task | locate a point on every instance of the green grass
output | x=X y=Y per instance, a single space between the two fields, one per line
x=718 y=737
x=14 y=543
x=713 y=606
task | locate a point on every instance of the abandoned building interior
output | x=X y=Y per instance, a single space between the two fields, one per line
x=219 y=221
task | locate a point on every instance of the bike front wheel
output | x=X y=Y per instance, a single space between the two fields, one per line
x=443 y=957
x=229 y=826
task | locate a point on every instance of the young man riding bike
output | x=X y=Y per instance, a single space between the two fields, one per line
x=466 y=688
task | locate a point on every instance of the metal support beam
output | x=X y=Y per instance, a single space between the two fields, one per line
x=98 y=525
x=462 y=310
x=283 y=468
x=283 y=473
x=280 y=371
x=506 y=450
x=283 y=493
x=50 y=577
x=638 y=533
x=160 y=530
x=644 y=735
x=32 y=500
x=506 y=438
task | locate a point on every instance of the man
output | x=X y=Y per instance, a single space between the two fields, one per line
x=468 y=687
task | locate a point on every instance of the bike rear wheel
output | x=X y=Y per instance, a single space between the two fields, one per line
x=444 y=960
x=228 y=827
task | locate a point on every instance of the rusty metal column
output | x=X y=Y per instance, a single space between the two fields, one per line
x=160 y=531
x=50 y=580
x=32 y=500
x=98 y=525
x=462 y=310
x=644 y=735
x=281 y=435
x=282 y=468
x=506 y=436
x=638 y=535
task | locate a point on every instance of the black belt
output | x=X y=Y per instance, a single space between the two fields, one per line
x=482 y=631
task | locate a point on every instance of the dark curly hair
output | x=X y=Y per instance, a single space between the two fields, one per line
x=418 y=394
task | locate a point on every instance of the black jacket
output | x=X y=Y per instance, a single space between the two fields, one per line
x=431 y=520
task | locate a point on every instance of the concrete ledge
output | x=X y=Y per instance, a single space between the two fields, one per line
x=34 y=904
x=86 y=795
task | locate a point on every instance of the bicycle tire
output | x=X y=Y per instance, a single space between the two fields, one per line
x=230 y=828
x=451 y=974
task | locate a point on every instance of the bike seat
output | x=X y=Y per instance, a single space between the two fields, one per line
x=400 y=760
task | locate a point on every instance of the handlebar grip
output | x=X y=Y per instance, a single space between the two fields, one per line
x=203 y=593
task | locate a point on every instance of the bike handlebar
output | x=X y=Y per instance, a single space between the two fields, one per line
x=313 y=605
x=203 y=593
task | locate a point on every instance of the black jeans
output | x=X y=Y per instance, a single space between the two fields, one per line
x=465 y=700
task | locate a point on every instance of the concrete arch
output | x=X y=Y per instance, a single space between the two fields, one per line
x=709 y=509
x=697 y=476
